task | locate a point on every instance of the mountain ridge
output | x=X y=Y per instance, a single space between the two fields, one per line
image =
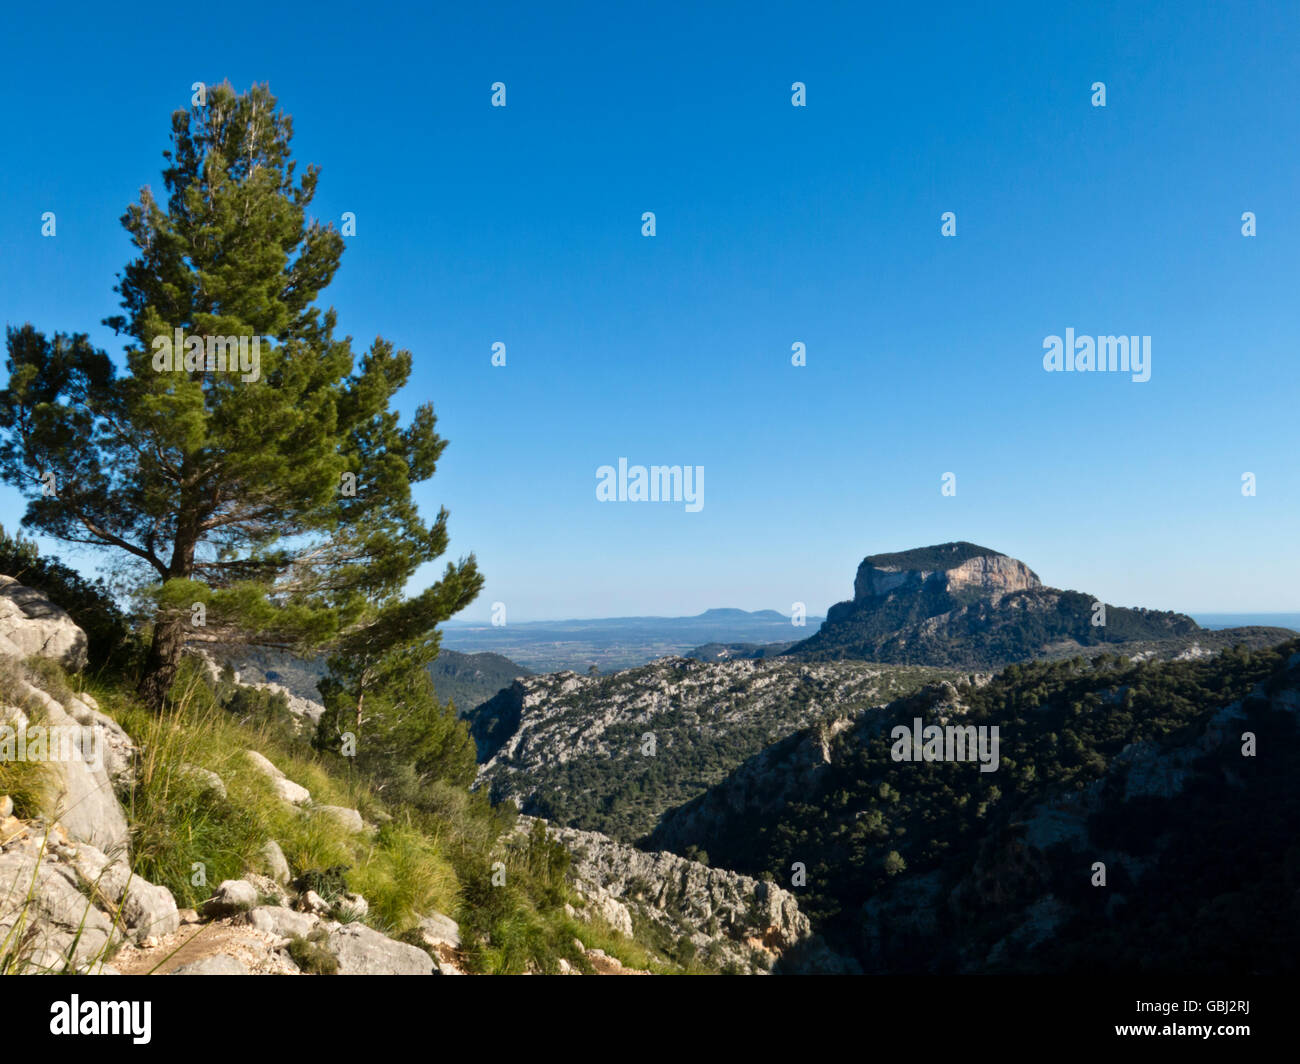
x=961 y=605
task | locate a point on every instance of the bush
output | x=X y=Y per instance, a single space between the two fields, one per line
x=311 y=954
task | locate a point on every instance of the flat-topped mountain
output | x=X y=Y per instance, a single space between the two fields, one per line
x=963 y=605
x=957 y=566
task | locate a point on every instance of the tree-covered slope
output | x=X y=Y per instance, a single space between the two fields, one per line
x=471 y=679
x=611 y=753
x=936 y=866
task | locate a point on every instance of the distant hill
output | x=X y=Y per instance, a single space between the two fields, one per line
x=471 y=679
x=614 y=643
x=966 y=606
x=612 y=753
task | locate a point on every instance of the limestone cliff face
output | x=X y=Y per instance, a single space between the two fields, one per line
x=951 y=566
x=735 y=922
x=965 y=606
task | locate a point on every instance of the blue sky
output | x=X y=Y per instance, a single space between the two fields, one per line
x=775 y=224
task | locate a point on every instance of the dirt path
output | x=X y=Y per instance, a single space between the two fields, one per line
x=194 y=942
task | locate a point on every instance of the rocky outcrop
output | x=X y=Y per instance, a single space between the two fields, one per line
x=364 y=951
x=66 y=905
x=46 y=923
x=32 y=625
x=276 y=671
x=734 y=922
x=954 y=566
x=83 y=799
x=69 y=900
x=86 y=753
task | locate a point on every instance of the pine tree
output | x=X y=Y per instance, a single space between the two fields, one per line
x=277 y=497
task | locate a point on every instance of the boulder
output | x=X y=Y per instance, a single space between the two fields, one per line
x=232 y=896
x=107 y=876
x=282 y=922
x=277 y=865
x=361 y=950
x=115 y=746
x=33 y=625
x=349 y=819
x=293 y=793
x=288 y=791
x=149 y=910
x=438 y=930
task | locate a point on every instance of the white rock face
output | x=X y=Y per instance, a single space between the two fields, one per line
x=94 y=753
x=992 y=573
x=149 y=910
x=82 y=798
x=30 y=624
x=61 y=926
x=75 y=902
x=277 y=865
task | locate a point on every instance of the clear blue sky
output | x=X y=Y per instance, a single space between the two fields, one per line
x=775 y=224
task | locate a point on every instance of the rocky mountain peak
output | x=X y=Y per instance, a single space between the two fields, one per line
x=955 y=566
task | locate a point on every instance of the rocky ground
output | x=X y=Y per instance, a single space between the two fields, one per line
x=69 y=900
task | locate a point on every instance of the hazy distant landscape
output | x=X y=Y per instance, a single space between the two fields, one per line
x=620 y=642
x=1243 y=620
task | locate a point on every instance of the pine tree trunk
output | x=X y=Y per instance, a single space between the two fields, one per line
x=163 y=662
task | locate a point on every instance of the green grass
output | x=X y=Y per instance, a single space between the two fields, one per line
x=436 y=855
